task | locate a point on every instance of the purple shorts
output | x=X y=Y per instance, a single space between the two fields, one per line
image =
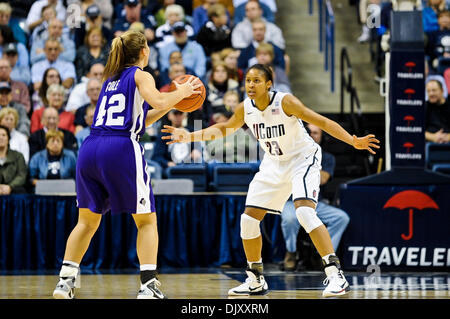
x=111 y=174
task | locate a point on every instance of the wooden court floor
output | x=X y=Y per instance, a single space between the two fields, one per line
x=214 y=283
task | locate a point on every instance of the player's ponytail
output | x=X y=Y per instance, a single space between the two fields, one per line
x=124 y=53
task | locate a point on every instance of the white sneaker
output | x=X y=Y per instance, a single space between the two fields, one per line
x=365 y=35
x=150 y=290
x=337 y=285
x=65 y=288
x=255 y=284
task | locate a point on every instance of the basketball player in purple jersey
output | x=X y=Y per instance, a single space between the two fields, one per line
x=111 y=168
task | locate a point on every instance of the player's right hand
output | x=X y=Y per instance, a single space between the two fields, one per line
x=177 y=135
x=190 y=86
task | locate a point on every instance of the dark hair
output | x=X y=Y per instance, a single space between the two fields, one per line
x=44 y=86
x=7 y=132
x=7 y=34
x=268 y=74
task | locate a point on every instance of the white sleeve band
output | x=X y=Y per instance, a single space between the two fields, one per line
x=249 y=227
x=307 y=217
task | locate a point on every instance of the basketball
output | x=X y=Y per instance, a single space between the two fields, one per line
x=193 y=102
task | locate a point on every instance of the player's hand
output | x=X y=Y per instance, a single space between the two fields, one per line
x=366 y=143
x=177 y=135
x=190 y=86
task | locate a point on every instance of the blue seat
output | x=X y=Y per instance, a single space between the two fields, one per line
x=437 y=154
x=232 y=177
x=196 y=172
x=442 y=168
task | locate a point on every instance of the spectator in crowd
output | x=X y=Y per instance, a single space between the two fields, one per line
x=13 y=170
x=247 y=57
x=230 y=57
x=40 y=32
x=79 y=94
x=55 y=31
x=93 y=89
x=174 y=58
x=200 y=14
x=134 y=13
x=268 y=7
x=23 y=125
x=85 y=131
x=55 y=162
x=241 y=36
x=55 y=96
x=7 y=37
x=93 y=19
x=175 y=70
x=39 y=98
x=66 y=69
x=437 y=121
x=171 y=155
x=193 y=54
x=218 y=85
x=265 y=55
x=160 y=15
x=430 y=14
x=215 y=35
x=35 y=18
x=240 y=147
x=335 y=219
x=105 y=8
x=436 y=46
x=231 y=100
x=163 y=34
x=50 y=121
x=20 y=73
x=94 y=50
x=9 y=118
x=13 y=23
x=19 y=90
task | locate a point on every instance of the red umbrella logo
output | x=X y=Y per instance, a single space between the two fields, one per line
x=410 y=65
x=409 y=118
x=409 y=92
x=408 y=146
x=412 y=200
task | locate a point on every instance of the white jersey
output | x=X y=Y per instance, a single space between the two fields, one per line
x=282 y=137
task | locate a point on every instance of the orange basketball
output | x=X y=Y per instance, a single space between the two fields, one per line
x=193 y=102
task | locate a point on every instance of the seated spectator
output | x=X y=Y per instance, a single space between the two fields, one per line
x=66 y=69
x=55 y=96
x=93 y=89
x=200 y=15
x=241 y=36
x=19 y=90
x=93 y=19
x=218 y=85
x=7 y=37
x=265 y=55
x=193 y=54
x=39 y=98
x=94 y=50
x=170 y=155
x=163 y=34
x=231 y=100
x=105 y=8
x=55 y=162
x=79 y=95
x=133 y=13
x=215 y=35
x=437 y=121
x=9 y=118
x=18 y=73
x=85 y=131
x=268 y=7
x=40 y=32
x=247 y=56
x=55 y=31
x=175 y=70
x=436 y=46
x=23 y=125
x=13 y=170
x=13 y=23
x=239 y=147
x=50 y=121
x=230 y=57
x=174 y=58
x=35 y=18
x=160 y=15
x=430 y=14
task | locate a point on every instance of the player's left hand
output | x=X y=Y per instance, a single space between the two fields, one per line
x=366 y=143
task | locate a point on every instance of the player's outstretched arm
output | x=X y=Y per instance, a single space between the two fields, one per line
x=219 y=130
x=147 y=88
x=293 y=106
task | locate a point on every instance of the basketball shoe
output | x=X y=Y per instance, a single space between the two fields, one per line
x=336 y=283
x=255 y=284
x=150 y=290
x=69 y=279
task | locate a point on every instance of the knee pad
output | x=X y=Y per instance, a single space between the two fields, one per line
x=249 y=227
x=307 y=217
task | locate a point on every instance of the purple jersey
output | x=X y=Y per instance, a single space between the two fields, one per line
x=120 y=106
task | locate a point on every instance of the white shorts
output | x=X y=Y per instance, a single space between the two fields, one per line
x=277 y=180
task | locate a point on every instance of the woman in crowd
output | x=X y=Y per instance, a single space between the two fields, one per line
x=9 y=117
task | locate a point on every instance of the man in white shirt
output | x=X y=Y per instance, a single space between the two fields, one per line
x=34 y=16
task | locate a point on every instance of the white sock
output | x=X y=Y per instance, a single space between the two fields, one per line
x=72 y=263
x=147 y=267
x=330 y=269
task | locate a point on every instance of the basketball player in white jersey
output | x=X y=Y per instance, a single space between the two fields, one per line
x=291 y=165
